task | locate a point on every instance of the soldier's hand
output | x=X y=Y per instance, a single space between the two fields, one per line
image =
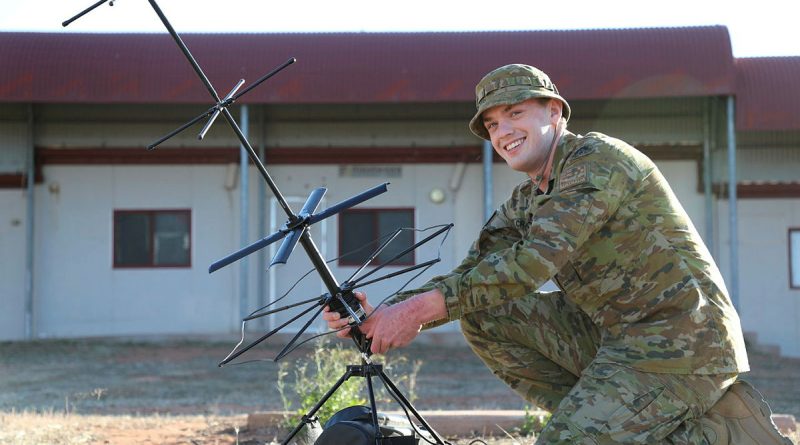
x=392 y=327
x=397 y=325
x=336 y=321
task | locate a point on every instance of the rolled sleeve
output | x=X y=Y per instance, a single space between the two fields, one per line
x=449 y=288
x=562 y=223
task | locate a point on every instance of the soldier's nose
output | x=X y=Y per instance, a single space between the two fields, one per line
x=503 y=128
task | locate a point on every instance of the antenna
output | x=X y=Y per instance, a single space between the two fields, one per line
x=340 y=297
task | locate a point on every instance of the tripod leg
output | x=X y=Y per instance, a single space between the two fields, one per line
x=310 y=414
x=402 y=399
x=373 y=407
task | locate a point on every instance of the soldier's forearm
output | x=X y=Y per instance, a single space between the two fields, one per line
x=427 y=307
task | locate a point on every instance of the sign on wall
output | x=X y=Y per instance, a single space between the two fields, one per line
x=370 y=171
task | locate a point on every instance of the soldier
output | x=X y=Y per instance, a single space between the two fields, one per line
x=642 y=344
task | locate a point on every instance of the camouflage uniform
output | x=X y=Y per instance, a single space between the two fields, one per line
x=641 y=340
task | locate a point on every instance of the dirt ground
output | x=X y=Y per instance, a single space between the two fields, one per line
x=60 y=429
x=171 y=391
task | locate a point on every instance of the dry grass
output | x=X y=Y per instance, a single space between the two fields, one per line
x=171 y=392
x=71 y=429
x=29 y=428
x=61 y=429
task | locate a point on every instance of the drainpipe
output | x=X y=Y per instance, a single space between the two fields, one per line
x=709 y=229
x=488 y=192
x=29 y=215
x=244 y=212
x=732 y=211
x=716 y=107
x=262 y=221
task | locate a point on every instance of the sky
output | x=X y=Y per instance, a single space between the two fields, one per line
x=760 y=28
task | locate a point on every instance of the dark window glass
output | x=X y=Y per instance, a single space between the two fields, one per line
x=152 y=238
x=364 y=229
x=171 y=239
x=131 y=239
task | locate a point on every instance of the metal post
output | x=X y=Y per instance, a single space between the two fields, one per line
x=262 y=220
x=716 y=106
x=244 y=213
x=709 y=216
x=488 y=191
x=732 y=211
x=29 y=235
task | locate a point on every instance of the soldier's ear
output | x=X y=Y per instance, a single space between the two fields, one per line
x=555 y=107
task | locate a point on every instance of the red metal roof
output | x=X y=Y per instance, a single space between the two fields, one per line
x=768 y=93
x=361 y=67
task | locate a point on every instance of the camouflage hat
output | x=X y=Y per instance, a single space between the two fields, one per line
x=509 y=85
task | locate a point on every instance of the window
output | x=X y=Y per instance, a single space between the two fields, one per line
x=794 y=258
x=365 y=228
x=152 y=238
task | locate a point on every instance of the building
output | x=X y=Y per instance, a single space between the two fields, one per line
x=108 y=238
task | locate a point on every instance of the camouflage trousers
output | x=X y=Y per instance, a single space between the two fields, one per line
x=544 y=347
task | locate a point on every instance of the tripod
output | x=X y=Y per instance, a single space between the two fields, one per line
x=367 y=369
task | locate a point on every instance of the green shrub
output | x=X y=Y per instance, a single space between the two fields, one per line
x=533 y=423
x=316 y=374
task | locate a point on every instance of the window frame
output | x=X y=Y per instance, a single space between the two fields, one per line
x=794 y=282
x=151 y=213
x=374 y=211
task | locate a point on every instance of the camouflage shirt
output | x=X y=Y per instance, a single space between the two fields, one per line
x=613 y=236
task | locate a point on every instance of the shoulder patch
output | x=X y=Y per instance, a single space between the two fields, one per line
x=581 y=152
x=573 y=176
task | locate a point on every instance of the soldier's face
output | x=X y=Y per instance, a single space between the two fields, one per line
x=522 y=133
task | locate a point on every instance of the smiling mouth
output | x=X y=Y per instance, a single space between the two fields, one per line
x=514 y=144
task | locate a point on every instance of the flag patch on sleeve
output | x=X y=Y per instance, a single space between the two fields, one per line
x=573 y=177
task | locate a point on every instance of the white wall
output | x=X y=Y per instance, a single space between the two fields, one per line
x=78 y=291
x=768 y=307
x=12 y=264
